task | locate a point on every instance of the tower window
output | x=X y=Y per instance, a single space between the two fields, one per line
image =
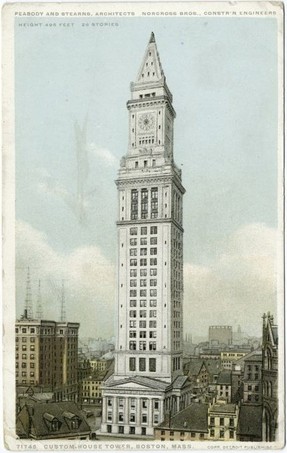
x=142 y=346
x=142 y=364
x=136 y=164
x=132 y=345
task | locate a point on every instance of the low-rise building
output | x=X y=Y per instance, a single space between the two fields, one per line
x=188 y=424
x=91 y=388
x=198 y=375
x=222 y=421
x=99 y=364
x=223 y=385
x=252 y=382
x=62 y=420
x=228 y=357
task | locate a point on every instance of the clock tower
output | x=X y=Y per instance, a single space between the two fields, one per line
x=148 y=379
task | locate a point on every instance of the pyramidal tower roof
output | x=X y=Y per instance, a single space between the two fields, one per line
x=150 y=69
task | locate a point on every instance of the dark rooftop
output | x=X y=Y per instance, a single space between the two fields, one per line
x=193 y=367
x=42 y=414
x=224 y=378
x=226 y=408
x=250 y=421
x=193 y=418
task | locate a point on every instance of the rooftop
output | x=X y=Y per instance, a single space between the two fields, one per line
x=193 y=418
x=224 y=378
x=250 y=420
x=41 y=415
x=223 y=408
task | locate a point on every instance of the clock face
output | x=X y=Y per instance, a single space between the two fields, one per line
x=146 y=121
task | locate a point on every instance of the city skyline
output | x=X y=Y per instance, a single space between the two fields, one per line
x=228 y=157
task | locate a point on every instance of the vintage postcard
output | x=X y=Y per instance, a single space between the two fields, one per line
x=143 y=226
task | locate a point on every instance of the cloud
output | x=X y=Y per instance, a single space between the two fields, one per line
x=87 y=273
x=237 y=287
x=104 y=154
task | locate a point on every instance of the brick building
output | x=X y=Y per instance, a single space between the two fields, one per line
x=47 y=356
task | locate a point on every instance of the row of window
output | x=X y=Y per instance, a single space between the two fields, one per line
x=143 y=251
x=143 y=262
x=24 y=339
x=25 y=329
x=132 y=403
x=24 y=374
x=143 y=303
x=143 y=293
x=24 y=347
x=132 y=418
x=222 y=421
x=143 y=230
x=142 y=345
x=24 y=356
x=143 y=241
x=222 y=434
x=142 y=324
x=143 y=272
x=142 y=364
x=143 y=282
x=121 y=430
x=142 y=333
x=143 y=313
x=182 y=434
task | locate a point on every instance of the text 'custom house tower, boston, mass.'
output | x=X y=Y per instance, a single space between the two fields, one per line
x=148 y=383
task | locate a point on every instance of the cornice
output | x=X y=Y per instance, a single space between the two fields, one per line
x=150 y=180
x=148 y=221
x=144 y=103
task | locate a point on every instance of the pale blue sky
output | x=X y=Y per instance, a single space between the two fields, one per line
x=223 y=76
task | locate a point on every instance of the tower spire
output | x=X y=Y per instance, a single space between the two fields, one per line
x=150 y=70
x=152 y=38
x=28 y=298
x=39 y=312
x=63 y=305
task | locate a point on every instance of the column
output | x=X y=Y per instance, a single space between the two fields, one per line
x=115 y=410
x=138 y=411
x=177 y=404
x=126 y=410
x=161 y=409
x=104 y=409
x=150 y=412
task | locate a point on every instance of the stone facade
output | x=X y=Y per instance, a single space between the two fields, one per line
x=149 y=339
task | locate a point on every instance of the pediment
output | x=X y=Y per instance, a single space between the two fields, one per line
x=132 y=385
x=137 y=383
